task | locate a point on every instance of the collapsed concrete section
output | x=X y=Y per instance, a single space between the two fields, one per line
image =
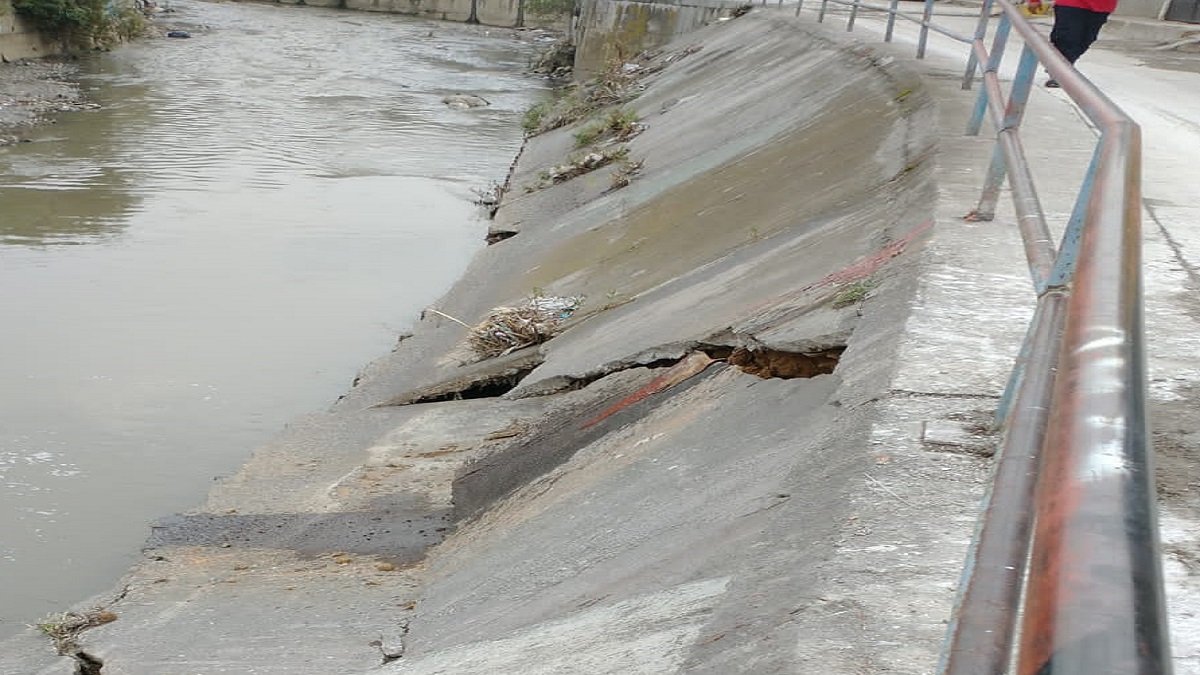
x=676 y=480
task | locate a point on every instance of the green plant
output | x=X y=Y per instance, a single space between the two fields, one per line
x=620 y=123
x=623 y=123
x=614 y=86
x=56 y=16
x=855 y=292
x=80 y=24
x=532 y=120
x=589 y=134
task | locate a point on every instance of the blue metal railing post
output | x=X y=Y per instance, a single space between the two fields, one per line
x=821 y=14
x=1022 y=84
x=891 y=22
x=853 y=16
x=1068 y=250
x=994 y=180
x=925 y=16
x=985 y=13
x=999 y=42
x=1060 y=278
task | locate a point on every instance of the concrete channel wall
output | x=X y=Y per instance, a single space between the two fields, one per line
x=18 y=40
x=619 y=29
x=675 y=482
x=487 y=12
x=698 y=529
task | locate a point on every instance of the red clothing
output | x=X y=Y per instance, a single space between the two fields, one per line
x=1104 y=6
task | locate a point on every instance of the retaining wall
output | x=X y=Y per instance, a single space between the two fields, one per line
x=619 y=29
x=488 y=12
x=18 y=40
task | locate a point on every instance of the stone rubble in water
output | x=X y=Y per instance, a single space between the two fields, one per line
x=33 y=89
x=465 y=101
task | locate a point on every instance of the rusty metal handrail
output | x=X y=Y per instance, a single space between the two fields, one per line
x=1068 y=538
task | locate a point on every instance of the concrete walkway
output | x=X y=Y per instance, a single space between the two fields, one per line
x=1135 y=65
x=728 y=523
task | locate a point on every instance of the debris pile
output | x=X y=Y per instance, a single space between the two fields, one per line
x=505 y=329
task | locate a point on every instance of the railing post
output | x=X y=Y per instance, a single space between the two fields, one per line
x=926 y=15
x=891 y=22
x=992 y=182
x=985 y=13
x=853 y=16
x=1068 y=250
x=1022 y=84
x=1017 y=99
x=799 y=4
x=999 y=42
x=821 y=14
x=1059 y=277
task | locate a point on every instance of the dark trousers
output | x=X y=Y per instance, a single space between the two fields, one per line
x=1075 y=29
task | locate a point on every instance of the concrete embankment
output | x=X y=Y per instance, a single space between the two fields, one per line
x=673 y=483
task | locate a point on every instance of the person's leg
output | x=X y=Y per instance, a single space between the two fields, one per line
x=1093 y=23
x=1072 y=25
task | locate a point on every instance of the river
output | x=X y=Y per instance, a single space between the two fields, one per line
x=251 y=216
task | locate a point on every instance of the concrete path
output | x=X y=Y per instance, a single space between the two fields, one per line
x=1160 y=88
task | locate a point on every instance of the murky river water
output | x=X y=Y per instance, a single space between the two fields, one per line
x=252 y=216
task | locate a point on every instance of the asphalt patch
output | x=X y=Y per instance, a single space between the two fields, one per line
x=396 y=533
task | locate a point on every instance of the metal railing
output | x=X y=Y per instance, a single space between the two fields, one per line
x=1065 y=562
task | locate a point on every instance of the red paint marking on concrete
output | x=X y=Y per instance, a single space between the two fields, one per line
x=858 y=270
x=867 y=266
x=690 y=365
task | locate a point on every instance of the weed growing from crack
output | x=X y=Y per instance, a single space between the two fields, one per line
x=531 y=121
x=855 y=292
x=613 y=86
x=620 y=124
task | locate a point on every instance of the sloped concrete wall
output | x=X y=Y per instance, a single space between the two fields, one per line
x=693 y=531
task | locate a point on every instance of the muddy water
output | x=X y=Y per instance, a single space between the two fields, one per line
x=251 y=216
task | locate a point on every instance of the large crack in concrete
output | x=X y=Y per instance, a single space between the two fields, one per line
x=501 y=377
